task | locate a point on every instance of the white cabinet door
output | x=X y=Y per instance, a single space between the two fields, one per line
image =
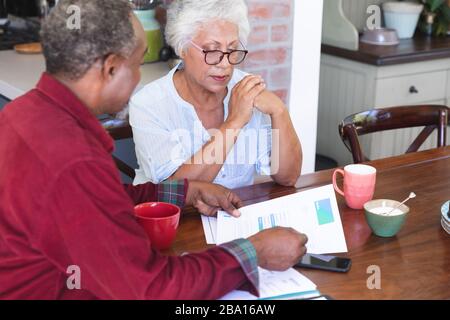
x=411 y=89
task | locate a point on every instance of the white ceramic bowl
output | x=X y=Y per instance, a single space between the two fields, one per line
x=403 y=7
x=402 y=16
x=381 y=37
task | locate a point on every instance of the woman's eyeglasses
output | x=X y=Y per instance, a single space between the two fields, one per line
x=214 y=57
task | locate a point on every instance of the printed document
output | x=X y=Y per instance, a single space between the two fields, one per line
x=313 y=212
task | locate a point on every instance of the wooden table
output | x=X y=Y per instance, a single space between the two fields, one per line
x=415 y=264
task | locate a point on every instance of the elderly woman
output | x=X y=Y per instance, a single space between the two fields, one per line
x=206 y=120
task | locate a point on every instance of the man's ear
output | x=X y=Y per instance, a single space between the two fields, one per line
x=111 y=64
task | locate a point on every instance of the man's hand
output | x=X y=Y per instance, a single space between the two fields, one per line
x=208 y=198
x=279 y=248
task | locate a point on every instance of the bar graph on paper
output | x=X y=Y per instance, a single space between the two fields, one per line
x=273 y=220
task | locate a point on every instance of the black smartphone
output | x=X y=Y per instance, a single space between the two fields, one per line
x=325 y=262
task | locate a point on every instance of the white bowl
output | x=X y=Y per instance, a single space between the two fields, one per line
x=403 y=17
x=381 y=36
x=403 y=7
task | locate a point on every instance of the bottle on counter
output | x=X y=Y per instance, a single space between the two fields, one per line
x=448 y=4
x=145 y=11
x=44 y=8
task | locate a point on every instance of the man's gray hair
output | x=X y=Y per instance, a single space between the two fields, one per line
x=184 y=17
x=105 y=28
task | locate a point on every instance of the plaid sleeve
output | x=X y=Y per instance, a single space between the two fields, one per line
x=245 y=254
x=173 y=192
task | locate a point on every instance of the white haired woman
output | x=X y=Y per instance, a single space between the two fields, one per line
x=206 y=120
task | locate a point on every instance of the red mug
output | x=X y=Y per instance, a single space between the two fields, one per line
x=359 y=184
x=160 y=221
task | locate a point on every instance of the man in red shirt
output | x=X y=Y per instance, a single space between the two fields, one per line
x=62 y=202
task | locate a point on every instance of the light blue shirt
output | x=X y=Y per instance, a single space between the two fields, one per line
x=167 y=132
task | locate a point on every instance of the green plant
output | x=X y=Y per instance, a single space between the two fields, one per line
x=441 y=12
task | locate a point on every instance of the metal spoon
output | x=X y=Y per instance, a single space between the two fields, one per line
x=412 y=195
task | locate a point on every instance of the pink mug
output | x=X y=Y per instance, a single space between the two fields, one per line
x=359 y=184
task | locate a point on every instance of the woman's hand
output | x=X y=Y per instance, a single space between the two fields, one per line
x=269 y=103
x=242 y=100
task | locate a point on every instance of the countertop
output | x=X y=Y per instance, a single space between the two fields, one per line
x=417 y=49
x=19 y=73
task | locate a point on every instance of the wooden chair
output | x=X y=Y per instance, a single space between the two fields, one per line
x=119 y=130
x=429 y=116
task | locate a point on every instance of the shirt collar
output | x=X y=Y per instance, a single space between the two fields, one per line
x=67 y=101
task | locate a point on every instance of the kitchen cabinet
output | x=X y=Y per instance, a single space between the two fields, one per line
x=362 y=80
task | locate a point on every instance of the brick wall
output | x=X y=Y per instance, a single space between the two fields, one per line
x=270 y=43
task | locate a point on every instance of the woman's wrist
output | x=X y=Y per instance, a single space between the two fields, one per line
x=279 y=111
x=234 y=123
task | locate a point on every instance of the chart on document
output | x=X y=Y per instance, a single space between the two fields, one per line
x=313 y=212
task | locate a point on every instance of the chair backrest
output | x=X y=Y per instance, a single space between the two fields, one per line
x=120 y=129
x=429 y=116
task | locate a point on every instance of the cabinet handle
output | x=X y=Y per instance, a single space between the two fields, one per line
x=413 y=89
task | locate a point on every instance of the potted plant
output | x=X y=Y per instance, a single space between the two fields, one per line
x=435 y=18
